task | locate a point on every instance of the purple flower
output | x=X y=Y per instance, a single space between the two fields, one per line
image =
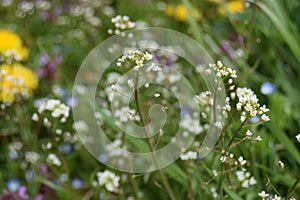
x=22 y=192
x=51 y=15
x=6 y=195
x=267 y=88
x=44 y=169
x=39 y=197
x=227 y=49
x=48 y=66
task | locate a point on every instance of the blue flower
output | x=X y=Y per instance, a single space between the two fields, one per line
x=13 y=185
x=267 y=88
x=254 y=119
x=77 y=183
x=13 y=154
x=65 y=148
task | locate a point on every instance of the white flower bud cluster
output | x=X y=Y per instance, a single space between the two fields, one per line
x=204 y=98
x=222 y=71
x=191 y=124
x=190 y=155
x=53 y=160
x=43 y=5
x=231 y=160
x=109 y=179
x=115 y=148
x=25 y=8
x=298 y=138
x=245 y=178
x=56 y=108
x=31 y=157
x=135 y=57
x=266 y=196
x=125 y=113
x=248 y=104
x=87 y=10
x=121 y=23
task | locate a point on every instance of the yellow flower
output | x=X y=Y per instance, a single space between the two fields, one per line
x=180 y=12
x=16 y=81
x=11 y=43
x=237 y=6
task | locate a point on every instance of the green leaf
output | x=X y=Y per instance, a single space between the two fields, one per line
x=53 y=186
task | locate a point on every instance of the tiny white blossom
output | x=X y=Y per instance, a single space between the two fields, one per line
x=53 y=159
x=281 y=164
x=265 y=118
x=109 y=179
x=263 y=194
x=298 y=138
x=35 y=117
x=258 y=139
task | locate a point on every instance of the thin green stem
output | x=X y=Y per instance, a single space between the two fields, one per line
x=163 y=177
x=236 y=134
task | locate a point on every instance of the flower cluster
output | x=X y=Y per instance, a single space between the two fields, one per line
x=16 y=81
x=190 y=155
x=121 y=23
x=109 y=179
x=53 y=159
x=87 y=11
x=180 y=12
x=267 y=196
x=222 y=71
x=236 y=6
x=245 y=178
x=55 y=107
x=11 y=47
x=248 y=104
x=136 y=58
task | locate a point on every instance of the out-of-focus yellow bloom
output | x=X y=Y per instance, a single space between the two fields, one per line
x=11 y=45
x=16 y=81
x=180 y=12
x=237 y=6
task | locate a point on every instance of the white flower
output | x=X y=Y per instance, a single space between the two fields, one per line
x=298 y=137
x=245 y=178
x=81 y=126
x=242 y=161
x=31 y=156
x=156 y=95
x=108 y=179
x=263 y=194
x=191 y=124
x=252 y=181
x=55 y=107
x=53 y=159
x=223 y=159
x=190 y=155
x=35 y=117
x=218 y=125
x=249 y=134
x=258 y=139
x=281 y=164
x=265 y=118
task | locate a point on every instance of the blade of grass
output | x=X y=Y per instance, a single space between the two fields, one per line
x=275 y=11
